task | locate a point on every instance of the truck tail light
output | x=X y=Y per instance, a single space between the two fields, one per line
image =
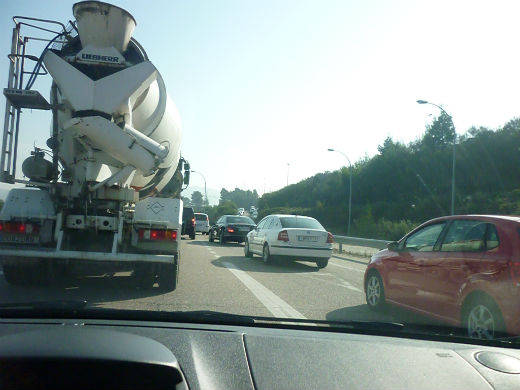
x=330 y=238
x=283 y=236
x=157 y=234
x=19 y=227
x=514 y=268
x=230 y=230
x=193 y=221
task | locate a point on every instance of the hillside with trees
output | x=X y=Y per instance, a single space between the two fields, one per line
x=229 y=202
x=404 y=185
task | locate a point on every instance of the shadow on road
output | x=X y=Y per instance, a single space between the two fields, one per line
x=197 y=242
x=94 y=290
x=257 y=265
x=388 y=314
x=216 y=243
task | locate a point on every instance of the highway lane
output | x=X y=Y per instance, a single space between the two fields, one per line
x=220 y=278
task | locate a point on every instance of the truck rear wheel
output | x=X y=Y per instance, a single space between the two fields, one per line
x=14 y=275
x=169 y=276
x=26 y=274
x=144 y=276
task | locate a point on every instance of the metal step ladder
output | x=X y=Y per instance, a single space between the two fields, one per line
x=17 y=98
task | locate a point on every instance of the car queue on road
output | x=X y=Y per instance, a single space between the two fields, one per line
x=461 y=270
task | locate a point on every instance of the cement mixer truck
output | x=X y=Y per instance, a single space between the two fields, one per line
x=103 y=194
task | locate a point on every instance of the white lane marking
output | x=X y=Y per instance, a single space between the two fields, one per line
x=276 y=305
x=346 y=267
x=340 y=283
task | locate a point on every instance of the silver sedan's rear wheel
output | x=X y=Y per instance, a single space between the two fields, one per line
x=375 y=293
x=247 y=252
x=322 y=263
x=266 y=255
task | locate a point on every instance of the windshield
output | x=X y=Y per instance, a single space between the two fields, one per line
x=299 y=222
x=240 y=220
x=389 y=130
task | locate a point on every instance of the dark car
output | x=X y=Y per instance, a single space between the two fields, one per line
x=464 y=270
x=231 y=228
x=188 y=222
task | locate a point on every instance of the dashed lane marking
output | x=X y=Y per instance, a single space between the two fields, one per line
x=276 y=305
x=339 y=283
x=346 y=267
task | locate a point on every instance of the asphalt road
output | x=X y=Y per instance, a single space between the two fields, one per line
x=220 y=278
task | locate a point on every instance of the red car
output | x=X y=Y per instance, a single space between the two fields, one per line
x=463 y=270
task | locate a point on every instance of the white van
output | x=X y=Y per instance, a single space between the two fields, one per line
x=201 y=223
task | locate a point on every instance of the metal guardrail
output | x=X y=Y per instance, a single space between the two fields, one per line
x=366 y=242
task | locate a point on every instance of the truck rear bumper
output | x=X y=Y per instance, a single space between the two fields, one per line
x=10 y=255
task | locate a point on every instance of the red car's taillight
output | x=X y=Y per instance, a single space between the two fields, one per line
x=515 y=272
x=19 y=227
x=283 y=236
x=157 y=234
x=193 y=221
x=330 y=238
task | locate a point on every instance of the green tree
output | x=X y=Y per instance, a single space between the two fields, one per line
x=241 y=198
x=440 y=133
x=197 y=200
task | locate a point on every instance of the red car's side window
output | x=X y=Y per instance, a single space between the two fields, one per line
x=465 y=236
x=470 y=236
x=424 y=240
x=492 y=240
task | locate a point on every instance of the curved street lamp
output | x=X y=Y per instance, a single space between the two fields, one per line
x=205 y=193
x=453 y=155
x=350 y=188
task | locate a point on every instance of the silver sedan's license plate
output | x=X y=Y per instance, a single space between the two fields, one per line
x=308 y=238
x=20 y=238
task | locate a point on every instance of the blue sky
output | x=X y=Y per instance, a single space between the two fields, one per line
x=263 y=84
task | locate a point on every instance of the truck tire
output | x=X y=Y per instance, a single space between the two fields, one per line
x=192 y=235
x=144 y=276
x=221 y=238
x=14 y=275
x=210 y=238
x=169 y=276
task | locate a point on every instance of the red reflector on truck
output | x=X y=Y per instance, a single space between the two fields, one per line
x=19 y=227
x=330 y=238
x=157 y=234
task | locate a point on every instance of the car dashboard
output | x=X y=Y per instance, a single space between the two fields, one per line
x=135 y=354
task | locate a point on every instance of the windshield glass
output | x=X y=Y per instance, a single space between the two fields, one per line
x=393 y=127
x=299 y=222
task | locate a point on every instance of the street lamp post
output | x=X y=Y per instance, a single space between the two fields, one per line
x=349 y=190
x=205 y=192
x=453 y=154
